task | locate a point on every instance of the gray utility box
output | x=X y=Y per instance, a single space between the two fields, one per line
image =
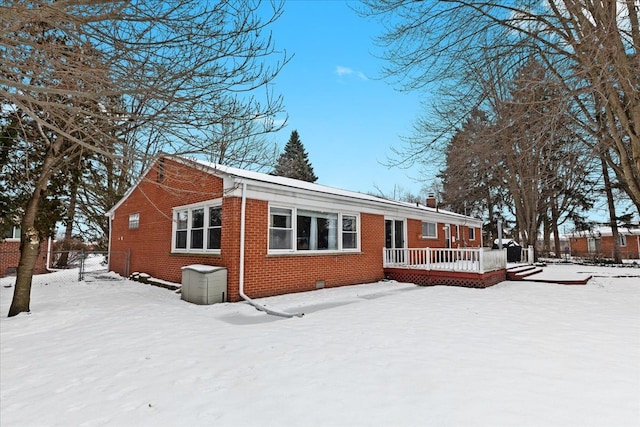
x=204 y=284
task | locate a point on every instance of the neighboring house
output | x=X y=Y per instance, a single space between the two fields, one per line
x=10 y=254
x=599 y=243
x=298 y=236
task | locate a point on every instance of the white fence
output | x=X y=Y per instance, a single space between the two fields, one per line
x=473 y=260
x=527 y=255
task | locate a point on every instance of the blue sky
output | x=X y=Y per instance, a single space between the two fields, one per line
x=348 y=119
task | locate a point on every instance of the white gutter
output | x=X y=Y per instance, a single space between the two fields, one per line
x=110 y=217
x=49 y=250
x=241 y=273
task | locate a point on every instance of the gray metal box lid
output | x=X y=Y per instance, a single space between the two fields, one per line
x=204 y=269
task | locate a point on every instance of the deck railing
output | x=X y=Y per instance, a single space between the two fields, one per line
x=474 y=260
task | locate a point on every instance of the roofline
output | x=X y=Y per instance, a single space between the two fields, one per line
x=325 y=190
x=260 y=180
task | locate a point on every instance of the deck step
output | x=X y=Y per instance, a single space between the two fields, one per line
x=524 y=272
x=562 y=281
x=521 y=274
x=521 y=268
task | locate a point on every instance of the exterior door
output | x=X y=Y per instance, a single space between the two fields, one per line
x=394 y=237
x=447 y=236
x=394 y=233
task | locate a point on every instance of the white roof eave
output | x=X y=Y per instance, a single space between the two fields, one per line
x=306 y=191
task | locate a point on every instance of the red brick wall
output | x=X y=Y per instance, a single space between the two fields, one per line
x=264 y=275
x=579 y=247
x=10 y=256
x=630 y=251
x=464 y=237
x=150 y=245
x=278 y=274
x=415 y=239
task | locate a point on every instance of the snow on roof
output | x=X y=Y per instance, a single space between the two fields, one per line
x=505 y=242
x=309 y=186
x=296 y=184
x=606 y=231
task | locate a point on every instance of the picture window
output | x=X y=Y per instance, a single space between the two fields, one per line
x=301 y=230
x=198 y=229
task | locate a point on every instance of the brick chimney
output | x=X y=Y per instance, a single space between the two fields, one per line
x=431 y=201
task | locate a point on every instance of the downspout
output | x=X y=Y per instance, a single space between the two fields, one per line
x=110 y=216
x=49 y=250
x=241 y=272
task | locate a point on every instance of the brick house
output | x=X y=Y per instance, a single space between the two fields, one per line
x=10 y=254
x=298 y=236
x=598 y=243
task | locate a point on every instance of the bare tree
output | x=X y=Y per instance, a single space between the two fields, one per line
x=523 y=154
x=83 y=77
x=592 y=46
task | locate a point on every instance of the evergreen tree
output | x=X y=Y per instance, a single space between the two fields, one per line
x=294 y=162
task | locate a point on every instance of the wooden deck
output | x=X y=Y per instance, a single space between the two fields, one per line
x=446 y=278
x=468 y=267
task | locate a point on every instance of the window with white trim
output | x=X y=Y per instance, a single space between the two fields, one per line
x=429 y=229
x=472 y=233
x=280 y=229
x=301 y=230
x=623 y=240
x=349 y=232
x=197 y=228
x=182 y=223
x=214 y=230
x=316 y=231
x=134 y=221
x=12 y=233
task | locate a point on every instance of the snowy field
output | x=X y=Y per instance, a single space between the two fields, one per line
x=120 y=353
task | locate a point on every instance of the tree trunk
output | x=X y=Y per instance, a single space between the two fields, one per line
x=554 y=226
x=491 y=228
x=613 y=219
x=68 y=232
x=546 y=239
x=30 y=239
x=29 y=249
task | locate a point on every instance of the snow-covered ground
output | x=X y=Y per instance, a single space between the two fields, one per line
x=120 y=353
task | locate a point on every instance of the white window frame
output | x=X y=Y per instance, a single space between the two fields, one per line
x=331 y=220
x=134 y=221
x=435 y=229
x=342 y=231
x=217 y=203
x=290 y=229
x=208 y=227
x=294 y=231
x=15 y=234
x=623 y=240
x=472 y=234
